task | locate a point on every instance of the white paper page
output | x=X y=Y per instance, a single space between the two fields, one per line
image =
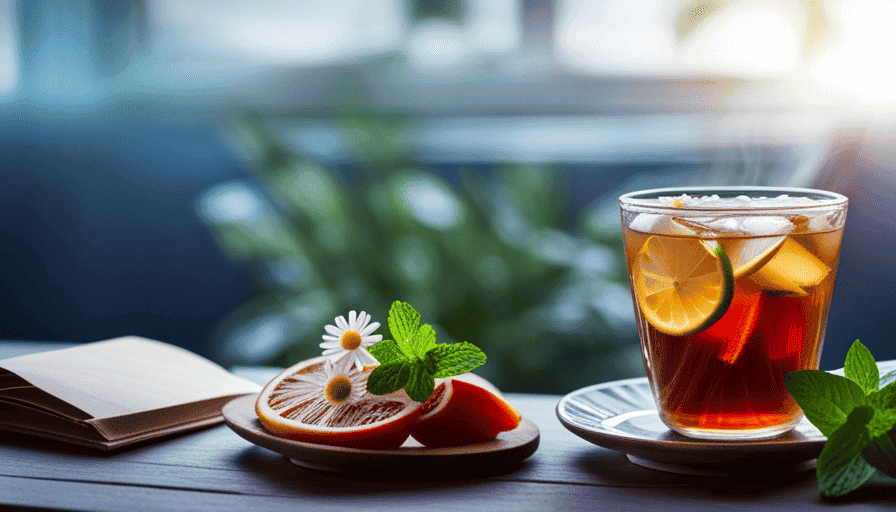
x=127 y=375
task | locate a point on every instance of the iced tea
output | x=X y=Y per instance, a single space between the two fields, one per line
x=730 y=294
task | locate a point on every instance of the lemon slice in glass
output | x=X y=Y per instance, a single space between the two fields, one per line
x=792 y=270
x=683 y=285
x=747 y=255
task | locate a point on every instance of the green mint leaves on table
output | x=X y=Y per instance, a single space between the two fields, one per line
x=857 y=417
x=413 y=360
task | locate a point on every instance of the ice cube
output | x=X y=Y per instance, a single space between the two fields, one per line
x=695 y=224
x=752 y=225
x=705 y=226
x=725 y=225
x=764 y=225
x=658 y=224
x=825 y=222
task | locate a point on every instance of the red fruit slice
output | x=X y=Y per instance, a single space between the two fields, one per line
x=463 y=410
x=737 y=325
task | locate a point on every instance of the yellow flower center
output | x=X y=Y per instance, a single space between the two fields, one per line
x=350 y=340
x=338 y=389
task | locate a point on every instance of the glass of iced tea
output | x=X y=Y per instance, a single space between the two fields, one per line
x=731 y=289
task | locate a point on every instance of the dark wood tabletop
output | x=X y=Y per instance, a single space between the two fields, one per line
x=216 y=470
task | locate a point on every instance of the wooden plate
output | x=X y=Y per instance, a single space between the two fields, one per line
x=506 y=450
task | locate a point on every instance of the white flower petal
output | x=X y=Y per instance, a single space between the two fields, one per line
x=352 y=320
x=334 y=350
x=340 y=321
x=367 y=341
x=328 y=368
x=329 y=344
x=330 y=338
x=333 y=330
x=362 y=353
x=343 y=365
x=313 y=379
x=369 y=329
x=363 y=319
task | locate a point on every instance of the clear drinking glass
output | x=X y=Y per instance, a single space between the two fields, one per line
x=731 y=289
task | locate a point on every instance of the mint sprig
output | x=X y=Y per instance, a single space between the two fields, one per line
x=857 y=416
x=413 y=360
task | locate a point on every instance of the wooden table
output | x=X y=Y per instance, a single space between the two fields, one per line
x=216 y=470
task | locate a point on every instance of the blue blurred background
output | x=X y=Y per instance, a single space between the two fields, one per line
x=230 y=175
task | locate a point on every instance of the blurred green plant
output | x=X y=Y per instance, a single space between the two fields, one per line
x=493 y=256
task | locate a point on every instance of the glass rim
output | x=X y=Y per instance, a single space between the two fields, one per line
x=827 y=200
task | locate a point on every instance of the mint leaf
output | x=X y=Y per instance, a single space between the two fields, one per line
x=825 y=398
x=403 y=323
x=861 y=368
x=884 y=403
x=414 y=360
x=386 y=351
x=423 y=340
x=826 y=416
x=885 y=398
x=389 y=377
x=841 y=468
x=452 y=359
x=881 y=453
x=420 y=384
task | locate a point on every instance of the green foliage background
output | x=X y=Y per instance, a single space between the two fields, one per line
x=495 y=258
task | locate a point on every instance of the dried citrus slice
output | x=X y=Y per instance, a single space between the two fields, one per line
x=683 y=285
x=316 y=401
x=463 y=410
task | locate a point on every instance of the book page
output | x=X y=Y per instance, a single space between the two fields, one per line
x=127 y=375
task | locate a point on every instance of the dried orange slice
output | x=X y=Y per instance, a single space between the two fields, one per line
x=317 y=401
x=462 y=410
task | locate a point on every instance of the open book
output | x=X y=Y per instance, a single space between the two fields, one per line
x=113 y=393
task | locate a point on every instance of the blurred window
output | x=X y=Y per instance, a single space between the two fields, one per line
x=281 y=32
x=9 y=48
x=748 y=39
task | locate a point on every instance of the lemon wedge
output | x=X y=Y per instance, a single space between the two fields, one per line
x=792 y=270
x=683 y=285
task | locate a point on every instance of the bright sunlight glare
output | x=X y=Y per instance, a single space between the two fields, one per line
x=858 y=67
x=752 y=38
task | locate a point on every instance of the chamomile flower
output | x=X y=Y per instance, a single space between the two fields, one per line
x=326 y=391
x=350 y=339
